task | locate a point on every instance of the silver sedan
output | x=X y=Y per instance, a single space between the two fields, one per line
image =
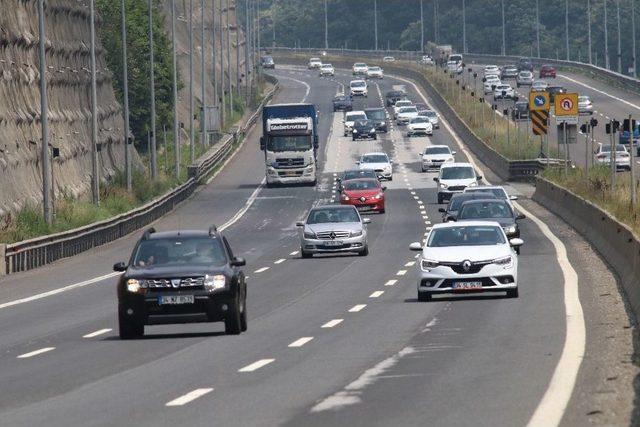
x=333 y=229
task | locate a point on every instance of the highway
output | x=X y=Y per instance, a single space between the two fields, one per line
x=332 y=340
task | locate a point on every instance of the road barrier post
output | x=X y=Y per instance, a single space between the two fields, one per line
x=3 y=264
x=632 y=165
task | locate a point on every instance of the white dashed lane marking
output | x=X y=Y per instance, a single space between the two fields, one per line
x=260 y=270
x=300 y=342
x=376 y=294
x=280 y=261
x=332 y=323
x=96 y=333
x=356 y=308
x=36 y=352
x=391 y=282
x=401 y=272
x=256 y=365
x=189 y=397
x=410 y=264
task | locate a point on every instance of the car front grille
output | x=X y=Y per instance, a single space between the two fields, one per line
x=284 y=163
x=459 y=269
x=457 y=188
x=187 y=282
x=327 y=235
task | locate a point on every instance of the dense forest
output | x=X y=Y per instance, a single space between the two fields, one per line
x=351 y=25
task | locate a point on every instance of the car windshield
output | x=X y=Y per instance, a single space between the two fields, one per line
x=327 y=66
x=607 y=148
x=503 y=87
x=314 y=60
x=289 y=143
x=340 y=98
x=359 y=64
x=485 y=210
x=374 y=158
x=361 y=184
x=358 y=84
x=498 y=192
x=429 y=113
x=521 y=105
x=328 y=215
x=526 y=74
x=354 y=117
x=179 y=251
x=472 y=235
x=493 y=78
x=363 y=123
x=419 y=120
x=354 y=174
x=376 y=114
x=583 y=99
x=437 y=150
x=394 y=93
x=458 y=199
x=374 y=68
x=403 y=104
x=457 y=172
x=408 y=110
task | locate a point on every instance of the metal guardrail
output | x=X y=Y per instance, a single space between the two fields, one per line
x=37 y=252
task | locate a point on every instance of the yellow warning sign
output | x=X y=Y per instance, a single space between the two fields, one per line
x=566 y=104
x=539 y=122
x=539 y=101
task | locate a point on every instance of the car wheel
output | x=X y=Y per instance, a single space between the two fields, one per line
x=512 y=293
x=440 y=199
x=129 y=327
x=382 y=211
x=353 y=138
x=232 y=322
x=391 y=178
x=243 y=314
x=375 y=137
x=365 y=251
x=517 y=250
x=423 y=169
x=305 y=254
x=424 y=296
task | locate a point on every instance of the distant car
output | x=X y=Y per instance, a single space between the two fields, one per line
x=547 y=71
x=358 y=88
x=379 y=117
x=585 y=106
x=603 y=156
x=342 y=103
x=520 y=111
x=181 y=277
x=553 y=90
x=421 y=106
x=524 y=78
x=375 y=73
x=503 y=91
x=359 y=69
x=405 y=114
x=419 y=125
x=350 y=118
x=454 y=67
x=435 y=156
x=539 y=86
x=454 y=178
x=496 y=190
x=364 y=129
x=314 y=63
x=509 y=72
x=496 y=210
x=327 y=70
x=366 y=194
x=469 y=257
x=401 y=104
x=355 y=174
x=333 y=229
x=624 y=136
x=379 y=162
x=525 y=64
x=490 y=82
x=491 y=70
x=432 y=116
x=393 y=96
x=427 y=60
x=267 y=62
x=388 y=59
x=450 y=213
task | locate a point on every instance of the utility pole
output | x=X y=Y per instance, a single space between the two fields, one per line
x=258 y=25
x=504 y=40
x=44 y=121
x=238 y=79
x=566 y=26
x=606 y=39
x=203 y=79
x=375 y=20
x=214 y=72
x=229 y=88
x=273 y=27
x=464 y=27
x=421 y=27
x=247 y=83
x=95 y=178
x=125 y=88
x=589 y=29
x=538 y=26
x=176 y=130
x=154 y=160
x=326 y=29
x=223 y=79
x=632 y=175
x=619 y=37
x=435 y=22
x=633 y=38
x=192 y=133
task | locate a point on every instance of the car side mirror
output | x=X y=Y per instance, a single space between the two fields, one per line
x=342 y=121
x=521 y=216
x=479 y=177
x=238 y=262
x=436 y=179
x=358 y=162
x=513 y=197
x=300 y=224
x=120 y=266
x=453 y=153
x=263 y=144
x=415 y=246
x=384 y=188
x=442 y=210
x=516 y=242
x=366 y=220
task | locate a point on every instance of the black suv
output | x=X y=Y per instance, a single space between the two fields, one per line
x=525 y=64
x=342 y=103
x=379 y=117
x=364 y=129
x=553 y=91
x=181 y=277
x=393 y=96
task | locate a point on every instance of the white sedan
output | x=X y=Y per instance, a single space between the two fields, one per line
x=405 y=114
x=360 y=69
x=375 y=73
x=469 y=257
x=491 y=70
x=419 y=125
x=399 y=104
x=490 y=82
x=327 y=70
x=435 y=156
x=379 y=162
x=503 y=91
x=350 y=118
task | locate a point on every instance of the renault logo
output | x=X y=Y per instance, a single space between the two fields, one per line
x=175 y=283
x=466 y=265
x=362 y=199
x=332 y=235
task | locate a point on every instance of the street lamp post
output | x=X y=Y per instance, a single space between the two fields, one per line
x=47 y=197
x=606 y=38
x=566 y=27
x=538 y=27
x=375 y=22
x=504 y=39
x=192 y=131
x=125 y=90
x=95 y=178
x=464 y=27
x=619 y=37
x=326 y=29
x=176 y=131
x=589 y=29
x=152 y=87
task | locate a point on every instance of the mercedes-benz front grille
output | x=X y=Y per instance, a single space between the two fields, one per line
x=330 y=235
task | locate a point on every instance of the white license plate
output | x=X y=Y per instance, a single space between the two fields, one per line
x=175 y=299
x=364 y=207
x=333 y=243
x=467 y=285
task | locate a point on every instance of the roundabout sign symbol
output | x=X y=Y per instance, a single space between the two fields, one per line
x=566 y=104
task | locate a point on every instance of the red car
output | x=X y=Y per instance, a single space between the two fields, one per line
x=366 y=194
x=547 y=71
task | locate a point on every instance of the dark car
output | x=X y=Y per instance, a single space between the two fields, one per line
x=181 y=277
x=267 y=62
x=379 y=118
x=509 y=72
x=547 y=71
x=342 y=103
x=356 y=174
x=451 y=211
x=520 y=110
x=393 y=96
x=525 y=64
x=491 y=210
x=364 y=129
x=553 y=90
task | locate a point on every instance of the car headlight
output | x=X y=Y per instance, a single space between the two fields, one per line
x=427 y=264
x=444 y=186
x=355 y=131
x=473 y=184
x=356 y=233
x=505 y=261
x=133 y=285
x=373 y=130
x=215 y=282
x=309 y=234
x=450 y=159
x=379 y=196
x=510 y=230
x=345 y=198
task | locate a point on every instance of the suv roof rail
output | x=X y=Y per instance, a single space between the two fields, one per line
x=213 y=230
x=148 y=233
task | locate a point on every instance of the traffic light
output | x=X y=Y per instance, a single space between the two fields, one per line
x=626 y=127
x=593 y=122
x=584 y=128
x=608 y=127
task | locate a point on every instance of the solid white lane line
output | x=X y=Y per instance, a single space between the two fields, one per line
x=280 y=261
x=332 y=323
x=36 y=352
x=245 y=208
x=308 y=88
x=256 y=365
x=376 y=294
x=356 y=308
x=391 y=282
x=401 y=272
x=59 y=290
x=300 y=342
x=410 y=264
x=189 y=397
x=98 y=332
x=260 y=270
